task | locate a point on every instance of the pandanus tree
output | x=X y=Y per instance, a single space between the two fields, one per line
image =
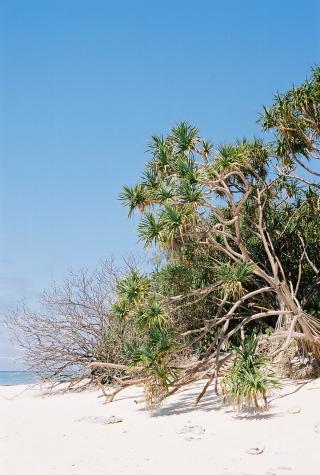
x=242 y=228
x=295 y=117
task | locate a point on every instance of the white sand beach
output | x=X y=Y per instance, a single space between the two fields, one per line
x=65 y=435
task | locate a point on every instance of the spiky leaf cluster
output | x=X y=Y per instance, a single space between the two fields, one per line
x=234 y=278
x=295 y=117
x=180 y=185
x=250 y=380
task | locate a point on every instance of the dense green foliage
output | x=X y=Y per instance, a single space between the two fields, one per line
x=235 y=232
x=239 y=231
x=295 y=116
x=249 y=381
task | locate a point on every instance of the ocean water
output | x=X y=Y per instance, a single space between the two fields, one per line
x=9 y=378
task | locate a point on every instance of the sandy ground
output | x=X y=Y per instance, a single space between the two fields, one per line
x=64 y=435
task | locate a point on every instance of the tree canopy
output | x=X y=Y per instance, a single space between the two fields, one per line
x=239 y=230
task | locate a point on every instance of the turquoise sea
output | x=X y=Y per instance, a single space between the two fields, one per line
x=9 y=378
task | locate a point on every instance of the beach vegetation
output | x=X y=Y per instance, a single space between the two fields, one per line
x=235 y=229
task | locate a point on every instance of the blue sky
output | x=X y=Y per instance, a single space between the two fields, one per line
x=82 y=87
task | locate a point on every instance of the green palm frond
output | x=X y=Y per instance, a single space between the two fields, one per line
x=186 y=168
x=228 y=158
x=133 y=288
x=135 y=197
x=158 y=142
x=163 y=163
x=244 y=154
x=255 y=154
x=248 y=383
x=134 y=353
x=161 y=149
x=295 y=118
x=161 y=339
x=174 y=220
x=233 y=278
x=150 y=229
x=206 y=149
x=185 y=137
x=152 y=355
x=151 y=315
x=166 y=191
x=191 y=193
x=120 y=309
x=150 y=179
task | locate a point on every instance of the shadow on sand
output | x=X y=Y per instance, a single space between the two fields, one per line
x=184 y=404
